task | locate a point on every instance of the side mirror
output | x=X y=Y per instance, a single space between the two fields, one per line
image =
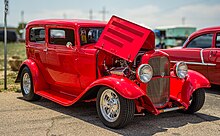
x=69 y=45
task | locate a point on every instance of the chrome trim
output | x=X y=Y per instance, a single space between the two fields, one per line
x=171 y=109
x=177 y=69
x=201 y=55
x=196 y=63
x=139 y=71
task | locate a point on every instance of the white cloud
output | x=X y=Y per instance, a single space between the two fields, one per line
x=143 y=15
x=199 y=15
x=58 y=14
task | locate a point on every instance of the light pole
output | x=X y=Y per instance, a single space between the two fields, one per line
x=5 y=44
x=90 y=14
x=103 y=12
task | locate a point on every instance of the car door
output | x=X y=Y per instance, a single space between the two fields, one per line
x=61 y=60
x=36 y=45
x=214 y=61
x=202 y=42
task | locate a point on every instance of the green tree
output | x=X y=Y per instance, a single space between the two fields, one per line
x=21 y=27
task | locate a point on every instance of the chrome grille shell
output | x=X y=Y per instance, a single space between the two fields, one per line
x=158 y=89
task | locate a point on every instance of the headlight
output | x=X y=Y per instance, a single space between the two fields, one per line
x=181 y=69
x=145 y=73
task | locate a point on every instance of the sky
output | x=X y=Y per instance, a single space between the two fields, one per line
x=149 y=13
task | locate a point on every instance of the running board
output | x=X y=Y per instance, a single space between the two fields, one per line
x=171 y=109
x=58 y=97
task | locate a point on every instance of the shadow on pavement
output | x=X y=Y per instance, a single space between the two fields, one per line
x=141 y=125
x=215 y=89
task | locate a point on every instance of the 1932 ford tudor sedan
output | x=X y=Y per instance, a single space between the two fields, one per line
x=115 y=62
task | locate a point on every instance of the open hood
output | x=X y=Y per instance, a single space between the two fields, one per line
x=124 y=39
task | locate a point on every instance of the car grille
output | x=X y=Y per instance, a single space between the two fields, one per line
x=158 y=88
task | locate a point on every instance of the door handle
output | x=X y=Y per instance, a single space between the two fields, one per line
x=212 y=53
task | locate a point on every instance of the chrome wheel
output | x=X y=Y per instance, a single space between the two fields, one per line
x=26 y=83
x=110 y=105
x=114 y=110
x=27 y=86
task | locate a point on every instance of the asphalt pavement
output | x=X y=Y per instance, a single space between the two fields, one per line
x=46 y=118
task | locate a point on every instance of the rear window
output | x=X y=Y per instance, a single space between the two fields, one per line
x=37 y=34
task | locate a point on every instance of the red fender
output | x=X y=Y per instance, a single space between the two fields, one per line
x=191 y=83
x=38 y=80
x=126 y=88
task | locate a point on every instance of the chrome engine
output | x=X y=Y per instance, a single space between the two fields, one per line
x=124 y=68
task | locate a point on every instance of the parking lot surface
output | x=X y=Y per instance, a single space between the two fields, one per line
x=46 y=118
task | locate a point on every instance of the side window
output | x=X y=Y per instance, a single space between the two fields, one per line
x=89 y=35
x=217 y=44
x=203 y=41
x=37 y=34
x=60 y=36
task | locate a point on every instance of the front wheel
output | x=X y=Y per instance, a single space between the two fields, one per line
x=114 y=110
x=27 y=88
x=196 y=101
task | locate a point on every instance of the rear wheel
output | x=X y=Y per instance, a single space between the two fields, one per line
x=114 y=110
x=196 y=101
x=27 y=85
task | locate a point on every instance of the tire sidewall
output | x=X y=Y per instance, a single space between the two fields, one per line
x=122 y=109
x=30 y=95
x=198 y=100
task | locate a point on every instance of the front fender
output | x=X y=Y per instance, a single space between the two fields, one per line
x=197 y=80
x=122 y=85
x=193 y=81
x=37 y=78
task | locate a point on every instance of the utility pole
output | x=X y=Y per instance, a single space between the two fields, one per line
x=64 y=16
x=22 y=25
x=183 y=20
x=5 y=44
x=103 y=12
x=22 y=19
x=90 y=14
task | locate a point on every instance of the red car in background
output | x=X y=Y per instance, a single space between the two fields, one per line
x=201 y=52
x=75 y=60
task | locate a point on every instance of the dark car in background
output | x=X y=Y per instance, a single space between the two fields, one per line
x=11 y=36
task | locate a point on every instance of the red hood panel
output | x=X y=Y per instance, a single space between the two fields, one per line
x=124 y=39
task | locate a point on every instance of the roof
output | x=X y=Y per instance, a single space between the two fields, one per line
x=204 y=30
x=216 y=28
x=66 y=22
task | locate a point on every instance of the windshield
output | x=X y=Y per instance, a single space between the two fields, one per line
x=89 y=35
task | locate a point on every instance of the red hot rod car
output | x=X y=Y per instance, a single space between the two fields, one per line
x=114 y=62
